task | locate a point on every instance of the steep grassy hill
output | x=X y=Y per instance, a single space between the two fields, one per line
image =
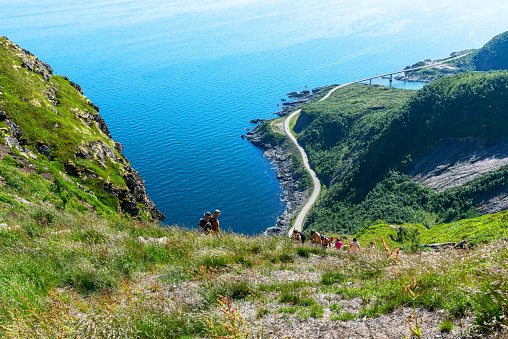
x=55 y=148
x=77 y=275
x=431 y=156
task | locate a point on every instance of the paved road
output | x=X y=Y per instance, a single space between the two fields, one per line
x=298 y=224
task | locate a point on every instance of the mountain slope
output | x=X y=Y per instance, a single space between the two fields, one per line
x=424 y=135
x=56 y=148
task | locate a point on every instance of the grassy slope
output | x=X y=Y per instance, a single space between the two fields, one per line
x=77 y=275
x=26 y=98
x=342 y=127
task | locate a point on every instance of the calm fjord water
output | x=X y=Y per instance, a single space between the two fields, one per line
x=177 y=82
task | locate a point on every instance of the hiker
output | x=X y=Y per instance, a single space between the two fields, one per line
x=355 y=245
x=315 y=237
x=325 y=241
x=299 y=236
x=215 y=223
x=338 y=244
x=372 y=246
x=204 y=225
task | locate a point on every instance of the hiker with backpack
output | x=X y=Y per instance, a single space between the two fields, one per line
x=299 y=236
x=355 y=246
x=204 y=225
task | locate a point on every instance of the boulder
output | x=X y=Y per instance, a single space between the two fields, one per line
x=28 y=65
x=15 y=129
x=13 y=143
x=31 y=154
x=462 y=245
x=44 y=150
x=108 y=151
x=84 y=153
x=118 y=146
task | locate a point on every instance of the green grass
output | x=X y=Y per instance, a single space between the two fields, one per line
x=488 y=227
x=37 y=118
x=57 y=260
x=292 y=123
x=445 y=326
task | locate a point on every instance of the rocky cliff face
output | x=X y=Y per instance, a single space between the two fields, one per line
x=452 y=163
x=48 y=125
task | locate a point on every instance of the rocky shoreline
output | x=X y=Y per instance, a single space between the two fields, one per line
x=293 y=195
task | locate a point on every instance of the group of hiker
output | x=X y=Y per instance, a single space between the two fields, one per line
x=325 y=241
x=209 y=224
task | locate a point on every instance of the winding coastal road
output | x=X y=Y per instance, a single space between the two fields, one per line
x=298 y=224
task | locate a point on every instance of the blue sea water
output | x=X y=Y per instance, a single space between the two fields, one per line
x=178 y=81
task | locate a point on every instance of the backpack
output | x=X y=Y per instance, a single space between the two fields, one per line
x=302 y=236
x=205 y=225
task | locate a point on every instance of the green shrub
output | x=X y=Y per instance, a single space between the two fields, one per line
x=316 y=311
x=345 y=316
x=445 y=326
x=330 y=278
x=288 y=310
x=303 y=251
x=286 y=258
x=43 y=216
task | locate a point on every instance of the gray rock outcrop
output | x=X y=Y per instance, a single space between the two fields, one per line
x=33 y=64
x=136 y=186
x=44 y=150
x=102 y=124
x=451 y=163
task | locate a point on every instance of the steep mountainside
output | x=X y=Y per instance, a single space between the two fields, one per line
x=494 y=55
x=437 y=155
x=56 y=148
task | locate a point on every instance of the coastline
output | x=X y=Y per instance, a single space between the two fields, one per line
x=294 y=196
x=280 y=155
